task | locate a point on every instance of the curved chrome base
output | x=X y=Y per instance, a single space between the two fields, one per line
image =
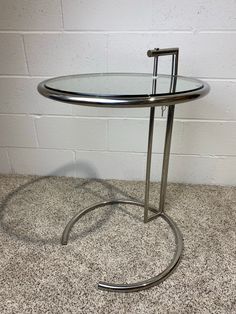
x=141 y=284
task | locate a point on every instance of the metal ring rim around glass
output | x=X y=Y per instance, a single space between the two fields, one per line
x=126 y=101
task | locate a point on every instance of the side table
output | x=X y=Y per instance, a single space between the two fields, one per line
x=133 y=90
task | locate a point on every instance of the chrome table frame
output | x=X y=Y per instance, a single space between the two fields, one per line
x=150 y=101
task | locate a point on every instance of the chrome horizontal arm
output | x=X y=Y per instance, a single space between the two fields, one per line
x=162 y=52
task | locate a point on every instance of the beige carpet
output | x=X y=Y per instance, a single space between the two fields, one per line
x=38 y=275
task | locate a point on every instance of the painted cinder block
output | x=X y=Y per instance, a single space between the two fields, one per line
x=72 y=133
x=110 y=165
x=62 y=54
x=42 y=161
x=218 y=104
x=20 y=95
x=198 y=14
x=17 y=131
x=5 y=167
x=30 y=15
x=193 y=169
x=107 y=15
x=131 y=135
x=209 y=138
x=12 y=54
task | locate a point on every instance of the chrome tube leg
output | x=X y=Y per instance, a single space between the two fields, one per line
x=148 y=165
x=148 y=283
x=166 y=156
x=140 y=285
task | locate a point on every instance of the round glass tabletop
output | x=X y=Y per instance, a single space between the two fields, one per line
x=122 y=89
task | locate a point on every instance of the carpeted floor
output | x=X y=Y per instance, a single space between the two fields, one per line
x=38 y=275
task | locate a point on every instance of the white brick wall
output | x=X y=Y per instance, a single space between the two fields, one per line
x=72 y=133
x=13 y=59
x=17 y=130
x=40 y=39
x=30 y=15
x=60 y=53
x=4 y=161
x=42 y=161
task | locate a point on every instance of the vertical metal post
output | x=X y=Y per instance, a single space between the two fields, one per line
x=150 y=140
x=148 y=165
x=166 y=156
x=169 y=126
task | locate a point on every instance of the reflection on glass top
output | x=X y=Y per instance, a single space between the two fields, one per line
x=121 y=84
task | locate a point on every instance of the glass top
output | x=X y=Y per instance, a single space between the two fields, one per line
x=121 y=84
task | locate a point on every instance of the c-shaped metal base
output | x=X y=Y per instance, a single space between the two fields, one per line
x=141 y=284
x=157 y=213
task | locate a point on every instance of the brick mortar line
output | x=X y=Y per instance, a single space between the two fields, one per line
x=25 y=54
x=64 y=31
x=107 y=31
x=212 y=156
x=38 y=116
x=28 y=76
